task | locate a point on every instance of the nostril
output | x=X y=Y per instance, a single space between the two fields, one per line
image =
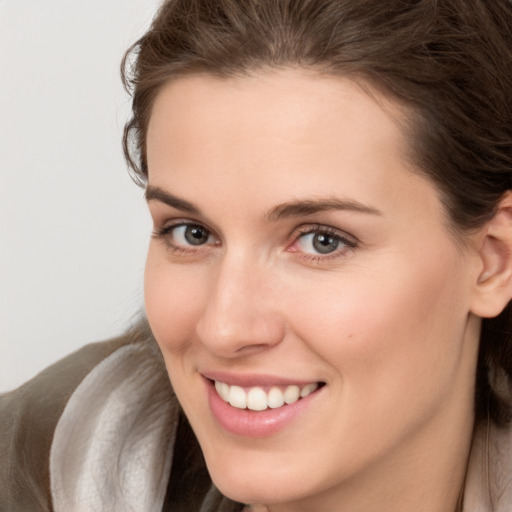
x=249 y=348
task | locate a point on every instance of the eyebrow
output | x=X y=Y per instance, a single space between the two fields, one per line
x=158 y=194
x=309 y=207
x=285 y=210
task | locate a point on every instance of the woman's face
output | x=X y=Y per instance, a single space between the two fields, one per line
x=296 y=252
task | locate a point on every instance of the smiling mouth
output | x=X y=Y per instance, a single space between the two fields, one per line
x=257 y=399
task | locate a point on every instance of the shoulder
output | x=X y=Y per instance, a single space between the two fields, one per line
x=102 y=430
x=29 y=415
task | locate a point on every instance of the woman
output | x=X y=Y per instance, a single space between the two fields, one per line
x=329 y=278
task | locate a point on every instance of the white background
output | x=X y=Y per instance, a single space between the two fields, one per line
x=73 y=226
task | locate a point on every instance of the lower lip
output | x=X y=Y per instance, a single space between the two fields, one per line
x=244 y=422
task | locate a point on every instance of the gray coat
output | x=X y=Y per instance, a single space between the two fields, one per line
x=62 y=449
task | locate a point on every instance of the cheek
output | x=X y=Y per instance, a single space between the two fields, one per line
x=173 y=297
x=400 y=329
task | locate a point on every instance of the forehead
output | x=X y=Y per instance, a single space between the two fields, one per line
x=279 y=134
x=286 y=102
x=275 y=109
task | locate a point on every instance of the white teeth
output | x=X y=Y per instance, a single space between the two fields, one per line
x=307 y=390
x=223 y=390
x=291 y=394
x=237 y=397
x=275 y=398
x=256 y=399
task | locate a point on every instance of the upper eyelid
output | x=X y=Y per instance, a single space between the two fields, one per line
x=172 y=223
x=324 y=228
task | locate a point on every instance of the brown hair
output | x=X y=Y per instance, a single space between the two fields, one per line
x=448 y=61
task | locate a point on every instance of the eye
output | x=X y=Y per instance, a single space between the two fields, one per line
x=322 y=241
x=185 y=236
x=190 y=234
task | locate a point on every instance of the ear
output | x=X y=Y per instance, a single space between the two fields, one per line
x=493 y=289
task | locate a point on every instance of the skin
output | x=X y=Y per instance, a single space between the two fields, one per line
x=386 y=321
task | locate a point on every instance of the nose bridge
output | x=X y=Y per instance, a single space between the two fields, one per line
x=240 y=308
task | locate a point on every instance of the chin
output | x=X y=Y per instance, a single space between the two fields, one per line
x=259 y=483
x=256 y=493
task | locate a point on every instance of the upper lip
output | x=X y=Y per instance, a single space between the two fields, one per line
x=250 y=380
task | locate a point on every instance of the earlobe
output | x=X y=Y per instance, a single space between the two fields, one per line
x=493 y=289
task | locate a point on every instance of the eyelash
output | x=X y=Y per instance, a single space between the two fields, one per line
x=165 y=233
x=349 y=243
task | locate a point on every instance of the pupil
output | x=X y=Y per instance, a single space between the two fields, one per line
x=325 y=244
x=196 y=235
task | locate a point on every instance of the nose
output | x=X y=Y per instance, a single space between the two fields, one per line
x=241 y=312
